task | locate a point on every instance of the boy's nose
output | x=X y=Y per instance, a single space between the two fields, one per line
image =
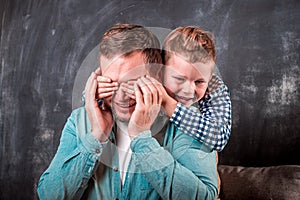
x=189 y=87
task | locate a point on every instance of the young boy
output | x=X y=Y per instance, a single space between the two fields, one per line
x=188 y=51
x=189 y=57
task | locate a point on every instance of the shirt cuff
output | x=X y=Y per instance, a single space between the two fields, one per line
x=144 y=143
x=92 y=144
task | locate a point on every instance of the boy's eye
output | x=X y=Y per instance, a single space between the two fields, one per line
x=199 y=82
x=179 y=78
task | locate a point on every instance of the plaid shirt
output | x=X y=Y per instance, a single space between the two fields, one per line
x=212 y=125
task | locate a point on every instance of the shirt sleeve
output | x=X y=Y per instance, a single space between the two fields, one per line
x=72 y=166
x=182 y=172
x=212 y=125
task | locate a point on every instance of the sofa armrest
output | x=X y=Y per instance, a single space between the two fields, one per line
x=278 y=182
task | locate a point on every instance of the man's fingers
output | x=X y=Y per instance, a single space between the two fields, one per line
x=90 y=87
x=88 y=82
x=129 y=86
x=159 y=89
x=128 y=89
x=147 y=95
x=138 y=95
x=130 y=83
x=129 y=93
x=151 y=86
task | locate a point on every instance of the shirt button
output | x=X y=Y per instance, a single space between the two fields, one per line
x=82 y=184
x=97 y=150
x=115 y=168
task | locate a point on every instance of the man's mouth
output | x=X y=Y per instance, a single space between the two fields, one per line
x=126 y=105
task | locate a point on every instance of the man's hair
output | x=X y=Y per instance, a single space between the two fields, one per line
x=191 y=43
x=125 y=39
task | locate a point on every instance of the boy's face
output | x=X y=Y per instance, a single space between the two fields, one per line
x=186 y=82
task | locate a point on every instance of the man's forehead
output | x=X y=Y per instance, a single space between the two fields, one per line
x=124 y=68
x=133 y=73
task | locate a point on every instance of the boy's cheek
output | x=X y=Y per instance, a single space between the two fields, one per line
x=171 y=92
x=201 y=93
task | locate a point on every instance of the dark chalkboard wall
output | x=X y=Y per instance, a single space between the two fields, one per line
x=43 y=44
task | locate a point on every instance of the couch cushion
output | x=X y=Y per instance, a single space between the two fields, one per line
x=278 y=182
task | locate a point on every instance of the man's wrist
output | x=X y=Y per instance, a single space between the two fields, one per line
x=141 y=134
x=99 y=136
x=92 y=144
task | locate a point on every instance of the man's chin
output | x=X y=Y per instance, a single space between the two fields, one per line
x=123 y=113
x=121 y=116
x=122 y=119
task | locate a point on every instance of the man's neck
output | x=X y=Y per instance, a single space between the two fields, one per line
x=122 y=136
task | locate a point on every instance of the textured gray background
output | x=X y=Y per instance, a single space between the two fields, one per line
x=43 y=44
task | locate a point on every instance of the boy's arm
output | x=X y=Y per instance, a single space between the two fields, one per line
x=212 y=125
x=72 y=165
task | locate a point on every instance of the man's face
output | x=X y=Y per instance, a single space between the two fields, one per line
x=186 y=82
x=122 y=70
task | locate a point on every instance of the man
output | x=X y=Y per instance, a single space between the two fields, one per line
x=88 y=161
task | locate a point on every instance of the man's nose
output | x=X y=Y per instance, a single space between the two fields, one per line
x=120 y=94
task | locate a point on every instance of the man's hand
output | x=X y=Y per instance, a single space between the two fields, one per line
x=168 y=103
x=148 y=103
x=101 y=120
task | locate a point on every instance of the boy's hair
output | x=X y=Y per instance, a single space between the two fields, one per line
x=190 y=42
x=125 y=39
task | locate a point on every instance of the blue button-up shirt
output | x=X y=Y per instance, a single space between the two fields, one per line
x=169 y=165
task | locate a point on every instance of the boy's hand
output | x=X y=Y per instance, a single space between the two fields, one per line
x=101 y=120
x=128 y=89
x=105 y=85
x=148 y=103
x=168 y=103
